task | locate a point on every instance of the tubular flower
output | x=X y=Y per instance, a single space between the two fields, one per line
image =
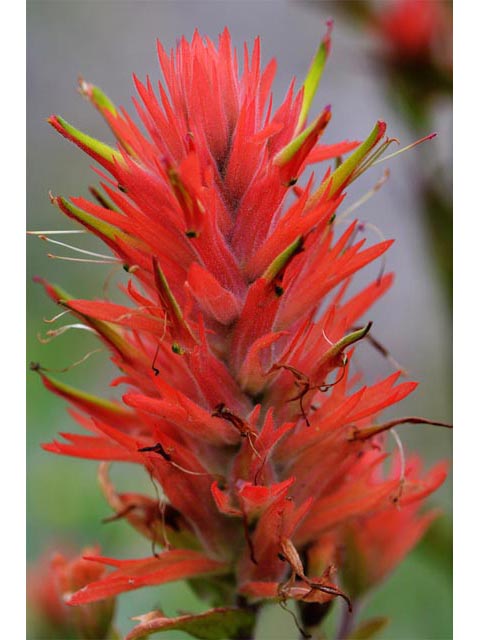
x=234 y=341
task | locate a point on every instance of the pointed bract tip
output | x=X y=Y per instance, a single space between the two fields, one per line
x=381 y=127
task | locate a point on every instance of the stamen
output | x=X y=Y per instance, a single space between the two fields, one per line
x=58 y=332
x=382 y=238
x=72 y=248
x=384 y=352
x=303 y=633
x=332 y=344
x=72 y=366
x=401 y=450
x=158 y=448
x=370 y=160
x=55 y=232
x=243 y=427
x=113 y=261
x=407 y=148
x=154 y=368
x=55 y=318
x=108 y=279
x=365 y=198
x=157 y=494
x=192 y=473
x=162 y=505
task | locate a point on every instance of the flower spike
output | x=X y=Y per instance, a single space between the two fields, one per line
x=237 y=327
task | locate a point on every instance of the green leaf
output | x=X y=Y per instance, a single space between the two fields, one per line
x=368 y=629
x=215 y=624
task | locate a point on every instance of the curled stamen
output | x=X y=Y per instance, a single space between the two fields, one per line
x=304 y=384
x=303 y=633
x=54 y=333
x=370 y=160
x=327 y=338
x=221 y=411
x=55 y=318
x=166 y=455
x=154 y=368
x=325 y=387
x=72 y=366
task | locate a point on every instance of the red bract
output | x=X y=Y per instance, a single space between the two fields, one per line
x=238 y=401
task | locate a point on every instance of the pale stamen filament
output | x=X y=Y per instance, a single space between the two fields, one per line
x=55 y=232
x=112 y=261
x=373 y=158
x=407 y=148
x=365 y=198
x=55 y=318
x=58 y=332
x=332 y=344
x=108 y=280
x=401 y=451
x=77 y=249
x=75 y=364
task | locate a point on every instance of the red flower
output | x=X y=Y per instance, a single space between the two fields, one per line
x=52 y=581
x=239 y=399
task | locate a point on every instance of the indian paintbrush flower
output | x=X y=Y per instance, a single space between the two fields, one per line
x=234 y=345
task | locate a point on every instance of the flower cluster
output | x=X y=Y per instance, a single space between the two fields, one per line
x=234 y=347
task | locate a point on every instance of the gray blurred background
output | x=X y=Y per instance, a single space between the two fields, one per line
x=105 y=42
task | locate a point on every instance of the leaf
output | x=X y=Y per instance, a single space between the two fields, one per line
x=215 y=624
x=369 y=629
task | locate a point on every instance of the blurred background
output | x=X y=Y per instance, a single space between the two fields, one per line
x=367 y=78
